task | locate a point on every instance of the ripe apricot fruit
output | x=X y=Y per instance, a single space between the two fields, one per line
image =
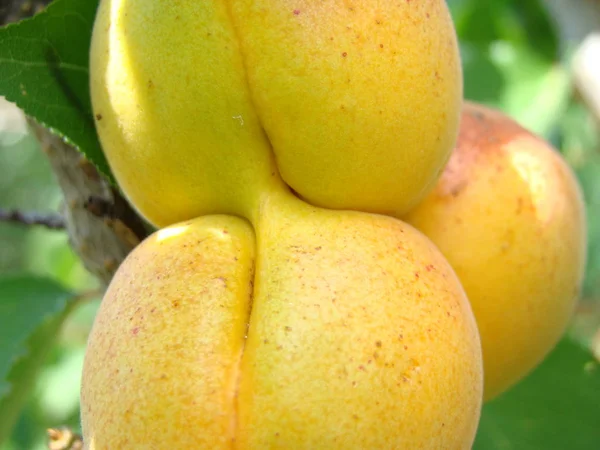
x=508 y=215
x=197 y=103
x=340 y=330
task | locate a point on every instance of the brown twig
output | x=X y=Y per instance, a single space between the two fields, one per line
x=49 y=220
x=14 y=10
x=64 y=438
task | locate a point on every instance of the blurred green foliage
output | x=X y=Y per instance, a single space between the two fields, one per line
x=27 y=183
x=511 y=61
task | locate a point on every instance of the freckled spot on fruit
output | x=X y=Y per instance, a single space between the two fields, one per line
x=276 y=434
x=406 y=347
x=296 y=12
x=354 y=416
x=175 y=303
x=519 y=205
x=380 y=45
x=417 y=275
x=98 y=117
x=429 y=267
x=150 y=84
x=344 y=54
x=288 y=328
x=477 y=115
x=362 y=368
x=135 y=331
x=457 y=189
x=378 y=344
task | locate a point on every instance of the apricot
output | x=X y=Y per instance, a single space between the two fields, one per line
x=508 y=215
x=343 y=331
x=198 y=103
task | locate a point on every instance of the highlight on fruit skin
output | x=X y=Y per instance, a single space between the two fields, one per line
x=508 y=215
x=197 y=103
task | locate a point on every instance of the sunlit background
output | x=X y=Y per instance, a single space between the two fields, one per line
x=513 y=59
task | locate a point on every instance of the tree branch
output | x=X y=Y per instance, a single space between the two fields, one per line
x=14 y=10
x=64 y=439
x=101 y=238
x=48 y=220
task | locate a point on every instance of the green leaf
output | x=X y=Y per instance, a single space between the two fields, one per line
x=483 y=80
x=32 y=311
x=556 y=407
x=536 y=91
x=44 y=69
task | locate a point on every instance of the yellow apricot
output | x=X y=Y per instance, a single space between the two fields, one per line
x=173 y=109
x=194 y=101
x=359 y=336
x=508 y=215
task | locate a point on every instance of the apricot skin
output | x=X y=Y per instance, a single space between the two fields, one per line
x=197 y=103
x=355 y=335
x=162 y=359
x=509 y=216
